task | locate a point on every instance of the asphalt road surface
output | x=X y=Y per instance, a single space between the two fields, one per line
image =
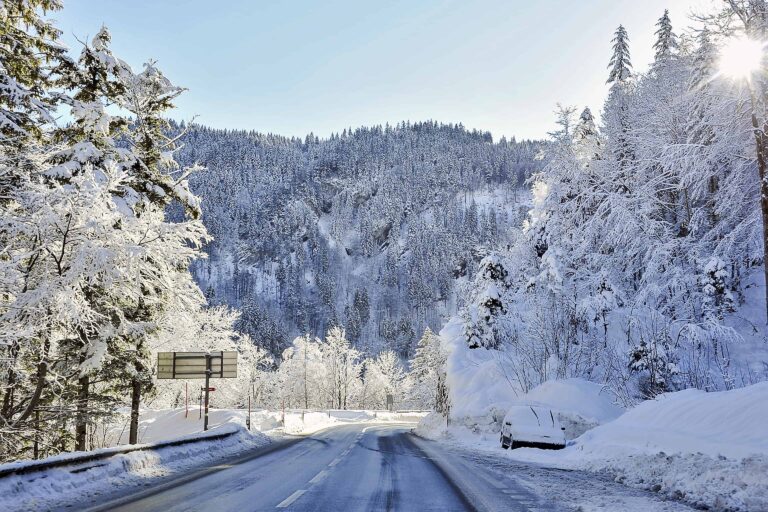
x=377 y=467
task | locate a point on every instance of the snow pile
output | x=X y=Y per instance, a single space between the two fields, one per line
x=481 y=391
x=576 y=397
x=730 y=424
x=476 y=382
x=57 y=487
x=298 y=422
x=433 y=426
x=579 y=404
x=708 y=449
x=163 y=424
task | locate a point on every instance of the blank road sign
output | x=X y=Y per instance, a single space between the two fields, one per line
x=193 y=365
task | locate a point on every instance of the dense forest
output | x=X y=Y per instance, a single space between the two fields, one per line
x=369 y=229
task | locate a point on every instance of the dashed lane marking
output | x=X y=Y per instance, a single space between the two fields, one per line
x=334 y=462
x=319 y=476
x=290 y=499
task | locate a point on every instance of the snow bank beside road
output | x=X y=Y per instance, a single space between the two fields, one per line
x=58 y=487
x=731 y=424
x=708 y=449
x=297 y=422
x=476 y=383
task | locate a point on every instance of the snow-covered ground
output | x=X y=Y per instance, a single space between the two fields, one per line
x=163 y=424
x=708 y=449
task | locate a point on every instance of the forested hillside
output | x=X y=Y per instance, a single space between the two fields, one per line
x=641 y=264
x=368 y=230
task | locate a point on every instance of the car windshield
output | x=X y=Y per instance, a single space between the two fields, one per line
x=530 y=416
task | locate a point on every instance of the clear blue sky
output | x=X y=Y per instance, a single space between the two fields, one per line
x=294 y=67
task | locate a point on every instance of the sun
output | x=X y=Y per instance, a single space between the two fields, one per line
x=741 y=57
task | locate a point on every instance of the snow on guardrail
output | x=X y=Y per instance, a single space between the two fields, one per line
x=81 y=459
x=74 y=478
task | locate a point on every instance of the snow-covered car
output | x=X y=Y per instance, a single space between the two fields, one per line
x=532 y=426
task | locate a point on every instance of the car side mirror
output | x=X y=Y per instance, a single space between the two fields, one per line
x=562 y=428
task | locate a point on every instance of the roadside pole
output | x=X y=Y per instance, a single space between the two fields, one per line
x=36 y=446
x=248 y=419
x=207 y=388
x=186 y=399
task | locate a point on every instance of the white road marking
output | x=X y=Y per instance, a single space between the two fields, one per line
x=290 y=499
x=334 y=462
x=319 y=476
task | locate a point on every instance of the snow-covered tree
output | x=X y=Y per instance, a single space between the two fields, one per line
x=91 y=263
x=342 y=367
x=620 y=64
x=666 y=40
x=386 y=376
x=486 y=314
x=428 y=373
x=31 y=57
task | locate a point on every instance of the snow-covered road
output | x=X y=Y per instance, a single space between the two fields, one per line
x=380 y=467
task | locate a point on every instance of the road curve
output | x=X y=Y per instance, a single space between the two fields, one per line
x=354 y=467
x=378 y=467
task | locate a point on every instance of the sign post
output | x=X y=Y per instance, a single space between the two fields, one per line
x=207 y=387
x=197 y=365
x=248 y=419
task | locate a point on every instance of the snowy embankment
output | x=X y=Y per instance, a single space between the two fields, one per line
x=58 y=487
x=708 y=449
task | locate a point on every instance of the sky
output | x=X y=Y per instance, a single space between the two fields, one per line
x=295 y=67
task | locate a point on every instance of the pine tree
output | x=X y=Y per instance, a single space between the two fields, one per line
x=620 y=63
x=666 y=40
x=30 y=59
x=704 y=61
x=485 y=316
x=586 y=139
x=31 y=56
x=617 y=108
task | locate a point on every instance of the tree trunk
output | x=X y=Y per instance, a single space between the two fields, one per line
x=133 y=435
x=81 y=425
x=760 y=146
x=10 y=386
x=42 y=373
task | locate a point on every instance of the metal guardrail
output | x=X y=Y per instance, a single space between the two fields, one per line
x=94 y=457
